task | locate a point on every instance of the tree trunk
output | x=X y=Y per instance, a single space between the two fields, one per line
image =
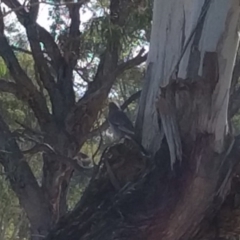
x=183 y=108
x=24 y=184
x=190 y=64
x=195 y=67
x=64 y=123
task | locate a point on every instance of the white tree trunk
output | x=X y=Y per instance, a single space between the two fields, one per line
x=192 y=52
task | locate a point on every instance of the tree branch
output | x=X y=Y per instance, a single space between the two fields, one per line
x=71 y=54
x=21 y=50
x=132 y=62
x=36 y=35
x=72 y=50
x=25 y=86
x=1 y=21
x=144 y=216
x=43 y=147
x=9 y=87
x=98 y=89
x=44 y=36
x=22 y=179
x=44 y=72
x=33 y=9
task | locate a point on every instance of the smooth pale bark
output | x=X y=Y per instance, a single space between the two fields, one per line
x=207 y=33
x=185 y=96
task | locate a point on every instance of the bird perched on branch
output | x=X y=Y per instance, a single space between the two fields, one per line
x=121 y=125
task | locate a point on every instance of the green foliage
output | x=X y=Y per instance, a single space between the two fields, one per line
x=236 y=123
x=12 y=217
x=94 y=34
x=3 y=68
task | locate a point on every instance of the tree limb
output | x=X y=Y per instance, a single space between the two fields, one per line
x=21 y=50
x=71 y=54
x=37 y=34
x=72 y=51
x=33 y=9
x=8 y=87
x=132 y=62
x=45 y=37
x=92 y=101
x=43 y=147
x=44 y=72
x=22 y=179
x=1 y=21
x=144 y=215
x=25 y=86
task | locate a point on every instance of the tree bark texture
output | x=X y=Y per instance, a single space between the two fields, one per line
x=199 y=60
x=183 y=121
x=66 y=126
x=190 y=64
x=24 y=184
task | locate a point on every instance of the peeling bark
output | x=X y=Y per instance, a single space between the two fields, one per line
x=203 y=57
x=183 y=119
x=183 y=109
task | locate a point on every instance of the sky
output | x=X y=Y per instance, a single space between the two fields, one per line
x=42 y=16
x=45 y=22
x=43 y=19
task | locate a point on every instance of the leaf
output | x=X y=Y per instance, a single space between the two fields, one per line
x=3 y=68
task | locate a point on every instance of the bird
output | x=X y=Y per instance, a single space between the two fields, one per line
x=122 y=126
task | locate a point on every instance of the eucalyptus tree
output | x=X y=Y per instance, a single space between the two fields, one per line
x=95 y=51
x=184 y=121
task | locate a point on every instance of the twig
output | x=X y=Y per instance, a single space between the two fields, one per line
x=32 y=131
x=44 y=147
x=132 y=62
x=44 y=2
x=21 y=50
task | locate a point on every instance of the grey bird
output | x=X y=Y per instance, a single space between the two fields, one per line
x=121 y=125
